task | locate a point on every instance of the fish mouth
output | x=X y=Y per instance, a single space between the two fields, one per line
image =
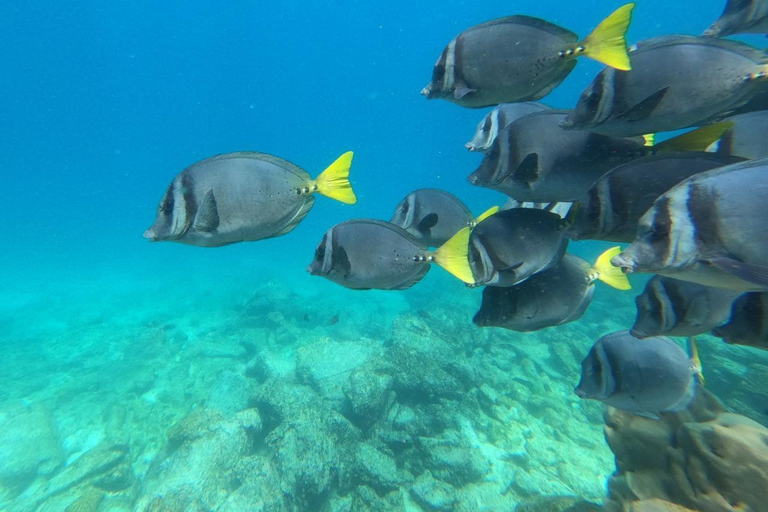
x=639 y=334
x=470 y=146
x=624 y=263
x=712 y=31
x=427 y=91
x=567 y=123
x=150 y=235
x=473 y=179
x=580 y=392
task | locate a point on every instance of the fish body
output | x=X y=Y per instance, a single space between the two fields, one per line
x=748 y=137
x=678 y=308
x=498 y=119
x=741 y=17
x=243 y=196
x=646 y=377
x=555 y=296
x=612 y=207
x=748 y=324
x=520 y=58
x=512 y=245
x=365 y=254
x=431 y=215
x=708 y=229
x=534 y=159
x=675 y=82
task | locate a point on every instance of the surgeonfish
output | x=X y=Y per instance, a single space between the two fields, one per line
x=534 y=159
x=498 y=119
x=512 y=245
x=676 y=82
x=708 y=229
x=613 y=206
x=741 y=17
x=556 y=296
x=433 y=215
x=748 y=324
x=747 y=138
x=247 y=196
x=520 y=58
x=678 y=308
x=365 y=254
x=646 y=377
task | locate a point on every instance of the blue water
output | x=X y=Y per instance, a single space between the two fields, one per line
x=103 y=103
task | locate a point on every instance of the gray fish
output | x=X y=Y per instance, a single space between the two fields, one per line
x=676 y=82
x=747 y=138
x=741 y=17
x=499 y=118
x=678 y=308
x=365 y=254
x=749 y=322
x=512 y=245
x=555 y=296
x=560 y=209
x=431 y=215
x=534 y=159
x=709 y=229
x=612 y=207
x=520 y=58
x=646 y=377
x=244 y=196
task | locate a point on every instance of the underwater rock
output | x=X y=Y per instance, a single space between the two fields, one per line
x=270 y=365
x=452 y=460
x=366 y=499
x=89 y=501
x=377 y=470
x=229 y=393
x=703 y=458
x=567 y=361
x=325 y=365
x=657 y=505
x=432 y=494
x=369 y=395
x=418 y=378
x=107 y=466
x=29 y=447
x=558 y=504
x=255 y=487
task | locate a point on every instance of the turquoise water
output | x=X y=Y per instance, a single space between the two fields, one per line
x=138 y=376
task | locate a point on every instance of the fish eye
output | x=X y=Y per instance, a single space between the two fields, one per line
x=167 y=207
x=320 y=251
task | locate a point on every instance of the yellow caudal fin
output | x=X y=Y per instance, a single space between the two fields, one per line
x=453 y=256
x=334 y=181
x=608 y=43
x=490 y=211
x=695 y=140
x=607 y=273
x=693 y=352
x=650 y=140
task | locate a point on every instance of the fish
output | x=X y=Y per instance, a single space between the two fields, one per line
x=708 y=229
x=434 y=215
x=365 y=254
x=535 y=160
x=611 y=209
x=498 y=119
x=512 y=245
x=678 y=308
x=676 y=82
x=747 y=137
x=521 y=58
x=646 y=377
x=741 y=17
x=560 y=209
x=556 y=296
x=748 y=324
x=244 y=196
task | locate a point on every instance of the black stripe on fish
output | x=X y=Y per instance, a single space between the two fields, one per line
x=700 y=207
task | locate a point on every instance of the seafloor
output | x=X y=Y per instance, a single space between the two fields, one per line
x=229 y=392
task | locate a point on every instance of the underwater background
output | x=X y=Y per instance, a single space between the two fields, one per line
x=138 y=376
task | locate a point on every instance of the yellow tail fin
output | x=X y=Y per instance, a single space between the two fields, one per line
x=334 y=181
x=607 y=43
x=490 y=211
x=695 y=140
x=453 y=256
x=693 y=352
x=607 y=273
x=650 y=140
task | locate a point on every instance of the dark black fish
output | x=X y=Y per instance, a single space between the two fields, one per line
x=519 y=58
x=749 y=322
x=741 y=17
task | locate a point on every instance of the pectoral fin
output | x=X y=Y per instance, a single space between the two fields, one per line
x=207 y=218
x=528 y=170
x=461 y=89
x=755 y=274
x=644 y=108
x=427 y=223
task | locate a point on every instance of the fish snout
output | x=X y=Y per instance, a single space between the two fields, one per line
x=567 y=123
x=473 y=179
x=624 y=263
x=150 y=235
x=470 y=146
x=580 y=392
x=427 y=91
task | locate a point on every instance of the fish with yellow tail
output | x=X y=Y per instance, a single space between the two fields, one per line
x=553 y=297
x=365 y=254
x=245 y=196
x=521 y=58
